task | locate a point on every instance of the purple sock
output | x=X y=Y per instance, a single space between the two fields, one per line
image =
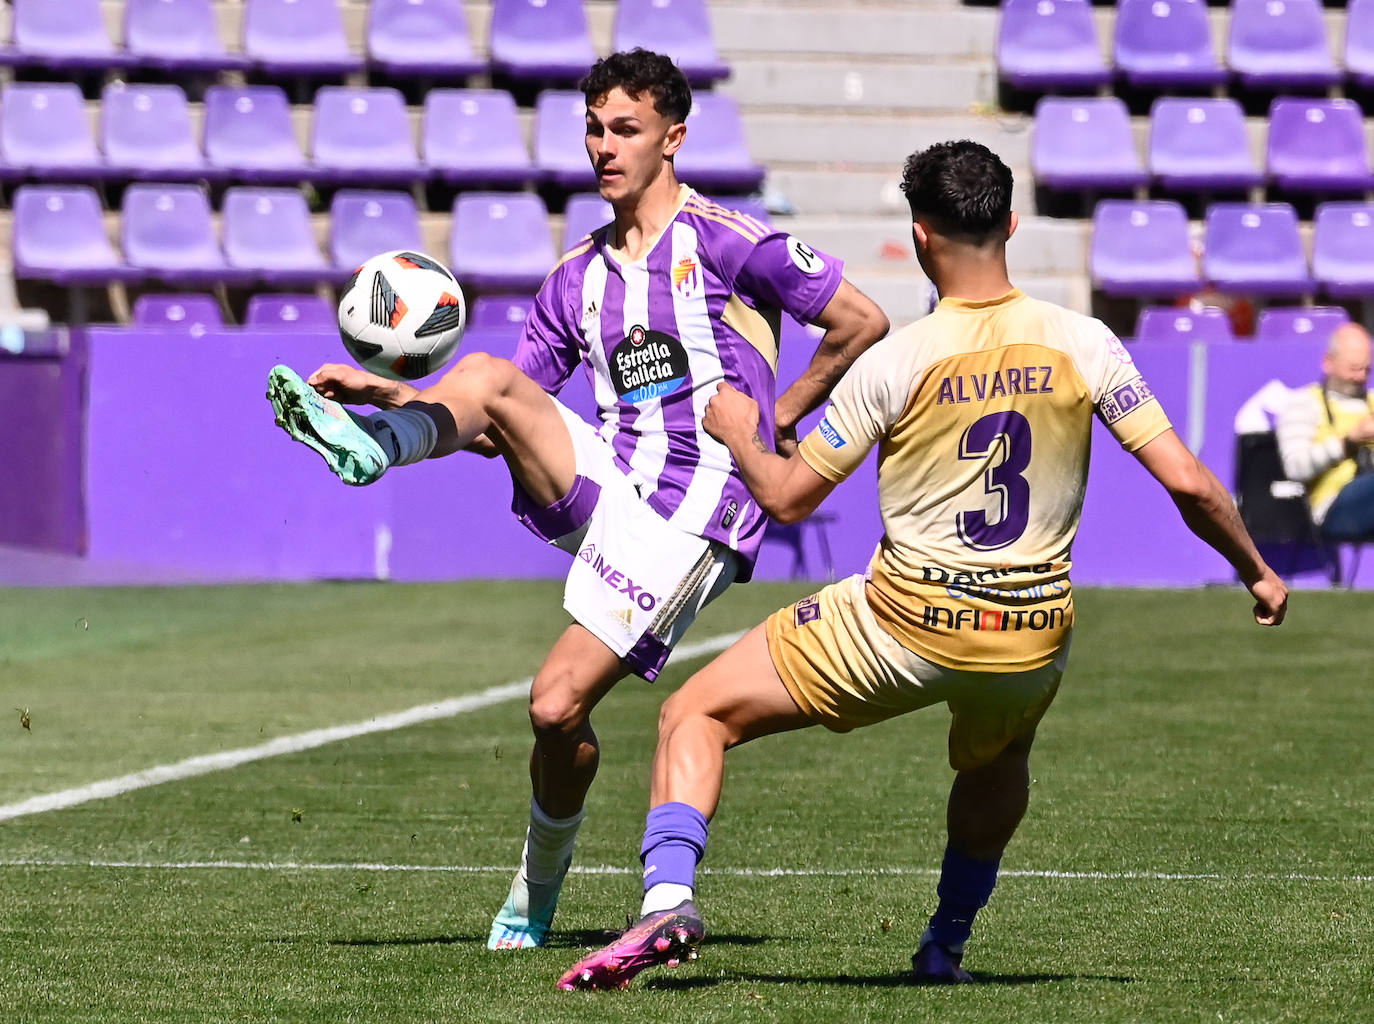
x=965 y=886
x=674 y=841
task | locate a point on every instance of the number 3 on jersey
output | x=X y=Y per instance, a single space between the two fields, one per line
x=1011 y=431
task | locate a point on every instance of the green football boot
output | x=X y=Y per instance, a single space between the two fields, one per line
x=326 y=426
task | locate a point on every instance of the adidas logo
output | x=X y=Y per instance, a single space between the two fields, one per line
x=624 y=616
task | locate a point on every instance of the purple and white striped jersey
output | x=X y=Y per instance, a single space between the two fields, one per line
x=658 y=334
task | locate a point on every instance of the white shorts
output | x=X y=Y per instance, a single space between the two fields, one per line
x=637 y=582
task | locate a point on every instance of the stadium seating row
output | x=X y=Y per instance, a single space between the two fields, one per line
x=1145 y=249
x=1200 y=144
x=468 y=137
x=492 y=319
x=1271 y=44
x=1209 y=324
x=497 y=241
x=530 y=40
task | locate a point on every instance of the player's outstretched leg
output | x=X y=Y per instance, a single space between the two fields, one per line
x=326 y=426
x=662 y=939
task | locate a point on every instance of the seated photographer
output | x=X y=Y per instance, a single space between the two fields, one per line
x=1325 y=436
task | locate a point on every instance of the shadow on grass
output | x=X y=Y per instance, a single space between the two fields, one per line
x=899 y=980
x=586 y=939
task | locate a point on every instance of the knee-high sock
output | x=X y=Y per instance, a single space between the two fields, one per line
x=965 y=887
x=674 y=843
x=548 y=845
x=410 y=433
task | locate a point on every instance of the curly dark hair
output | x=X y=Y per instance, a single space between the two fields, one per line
x=962 y=186
x=638 y=71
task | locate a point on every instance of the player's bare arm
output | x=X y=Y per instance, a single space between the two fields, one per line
x=785 y=487
x=1207 y=510
x=852 y=323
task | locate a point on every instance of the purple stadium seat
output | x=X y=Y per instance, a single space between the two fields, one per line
x=500 y=312
x=1048 y=44
x=59 y=236
x=190 y=312
x=1359 y=42
x=297 y=37
x=718 y=156
x=248 y=133
x=145 y=132
x=1084 y=143
x=679 y=28
x=1142 y=249
x=1287 y=323
x=45 y=133
x=267 y=233
x=501 y=241
x=65 y=35
x=1255 y=249
x=176 y=34
x=1280 y=44
x=169 y=233
x=364 y=135
x=1200 y=144
x=362 y=224
x=584 y=213
x=421 y=37
x=1318 y=146
x=1343 y=249
x=473 y=137
x=495 y=323
x=1166 y=43
x=540 y=40
x=1175 y=323
x=560 y=132
x=303 y=312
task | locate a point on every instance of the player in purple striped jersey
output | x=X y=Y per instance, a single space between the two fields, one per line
x=675 y=296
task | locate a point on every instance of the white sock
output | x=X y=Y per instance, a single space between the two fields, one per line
x=406 y=435
x=664 y=896
x=548 y=844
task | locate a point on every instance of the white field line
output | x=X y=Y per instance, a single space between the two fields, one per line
x=607 y=869
x=206 y=763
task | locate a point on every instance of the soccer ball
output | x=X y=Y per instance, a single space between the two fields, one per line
x=402 y=315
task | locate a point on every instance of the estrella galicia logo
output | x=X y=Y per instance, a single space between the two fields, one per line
x=647 y=365
x=831 y=435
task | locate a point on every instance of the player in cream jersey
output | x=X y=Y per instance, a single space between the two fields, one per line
x=981 y=413
x=984 y=414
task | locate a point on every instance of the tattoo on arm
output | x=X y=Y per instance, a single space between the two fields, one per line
x=760 y=446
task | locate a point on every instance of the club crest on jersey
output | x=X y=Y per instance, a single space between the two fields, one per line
x=647 y=365
x=687 y=280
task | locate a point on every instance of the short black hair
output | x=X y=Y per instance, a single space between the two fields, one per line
x=962 y=186
x=639 y=71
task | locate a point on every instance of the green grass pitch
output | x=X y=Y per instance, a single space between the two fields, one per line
x=1199 y=845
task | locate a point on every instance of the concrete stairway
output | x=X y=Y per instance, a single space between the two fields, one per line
x=836 y=95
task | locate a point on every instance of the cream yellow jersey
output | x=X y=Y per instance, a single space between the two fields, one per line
x=982 y=412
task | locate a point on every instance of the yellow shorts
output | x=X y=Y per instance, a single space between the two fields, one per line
x=845 y=671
